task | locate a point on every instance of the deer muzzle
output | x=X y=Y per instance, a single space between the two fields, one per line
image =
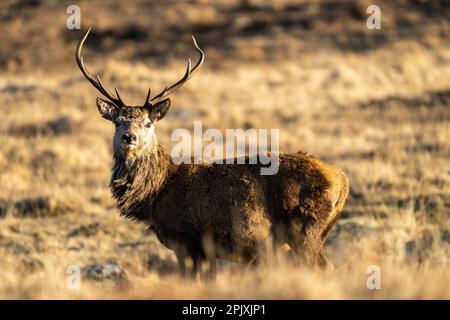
x=129 y=139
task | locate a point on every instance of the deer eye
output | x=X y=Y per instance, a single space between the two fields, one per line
x=148 y=125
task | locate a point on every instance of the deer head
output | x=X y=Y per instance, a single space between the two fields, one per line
x=134 y=124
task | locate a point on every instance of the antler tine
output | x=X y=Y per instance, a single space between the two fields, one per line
x=179 y=83
x=188 y=74
x=97 y=83
x=147 y=100
x=202 y=56
x=118 y=96
x=118 y=101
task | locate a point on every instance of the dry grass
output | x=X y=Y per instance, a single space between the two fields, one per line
x=381 y=113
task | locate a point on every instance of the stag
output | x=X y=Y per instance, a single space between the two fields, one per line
x=207 y=211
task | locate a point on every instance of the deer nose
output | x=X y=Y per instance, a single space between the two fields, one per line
x=129 y=138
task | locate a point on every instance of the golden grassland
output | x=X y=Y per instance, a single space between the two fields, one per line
x=381 y=114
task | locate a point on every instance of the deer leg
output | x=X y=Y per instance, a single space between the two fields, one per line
x=209 y=254
x=188 y=271
x=181 y=259
x=196 y=264
x=212 y=271
x=182 y=266
x=192 y=272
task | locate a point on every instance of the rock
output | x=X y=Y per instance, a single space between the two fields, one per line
x=106 y=271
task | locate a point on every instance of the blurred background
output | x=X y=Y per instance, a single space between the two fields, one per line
x=374 y=102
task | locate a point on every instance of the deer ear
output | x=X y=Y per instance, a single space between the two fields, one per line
x=159 y=110
x=107 y=109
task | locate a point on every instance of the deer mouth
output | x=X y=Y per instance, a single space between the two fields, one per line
x=128 y=146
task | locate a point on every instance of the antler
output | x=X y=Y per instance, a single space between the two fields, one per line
x=187 y=75
x=96 y=82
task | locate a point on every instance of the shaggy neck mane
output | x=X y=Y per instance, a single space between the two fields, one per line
x=137 y=182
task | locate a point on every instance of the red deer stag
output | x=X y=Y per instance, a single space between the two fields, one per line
x=232 y=205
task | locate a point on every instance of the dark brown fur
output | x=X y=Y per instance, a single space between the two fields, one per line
x=233 y=207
